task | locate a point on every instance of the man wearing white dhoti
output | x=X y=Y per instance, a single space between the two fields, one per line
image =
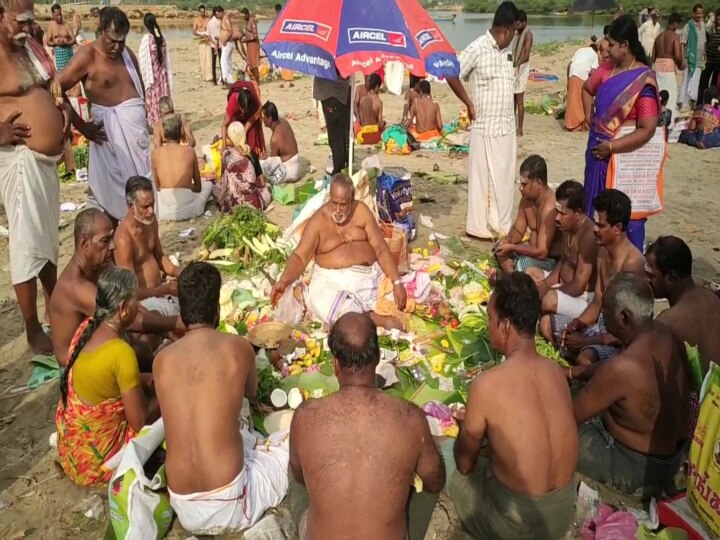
x=350 y=255
x=284 y=163
x=119 y=140
x=31 y=142
x=667 y=57
x=693 y=39
x=487 y=63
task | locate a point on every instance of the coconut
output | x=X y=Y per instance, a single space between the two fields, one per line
x=294 y=398
x=278 y=398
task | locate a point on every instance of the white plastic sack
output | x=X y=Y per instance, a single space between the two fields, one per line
x=288 y=310
x=139 y=507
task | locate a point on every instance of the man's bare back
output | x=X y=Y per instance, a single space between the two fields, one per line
x=427 y=115
x=364 y=471
x=342 y=246
x=175 y=166
x=200 y=382
x=370 y=111
x=283 y=142
x=537 y=454
x=695 y=319
x=667 y=45
x=650 y=382
x=107 y=81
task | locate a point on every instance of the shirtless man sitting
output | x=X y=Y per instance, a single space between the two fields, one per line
x=412 y=94
x=694 y=313
x=537 y=214
x=138 y=248
x=358 y=487
x=220 y=478
x=31 y=141
x=567 y=290
x=73 y=299
x=182 y=194
x=525 y=488
x=284 y=163
x=424 y=118
x=634 y=412
x=111 y=77
x=370 y=123
x=350 y=257
x=167 y=108
x=587 y=334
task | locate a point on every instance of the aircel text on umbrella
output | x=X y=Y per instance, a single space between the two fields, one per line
x=376 y=35
x=306 y=28
x=427 y=36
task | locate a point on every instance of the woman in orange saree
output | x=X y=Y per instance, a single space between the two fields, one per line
x=102 y=404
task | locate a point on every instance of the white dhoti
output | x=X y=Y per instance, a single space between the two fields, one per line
x=521 y=78
x=689 y=86
x=205 y=62
x=334 y=292
x=571 y=306
x=126 y=152
x=31 y=197
x=491 y=185
x=277 y=171
x=262 y=484
x=226 y=65
x=167 y=306
x=180 y=204
x=667 y=80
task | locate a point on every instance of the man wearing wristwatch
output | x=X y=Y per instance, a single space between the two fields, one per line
x=350 y=256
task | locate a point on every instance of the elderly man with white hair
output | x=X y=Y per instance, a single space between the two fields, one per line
x=351 y=256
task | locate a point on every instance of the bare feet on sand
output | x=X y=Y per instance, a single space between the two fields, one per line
x=38 y=341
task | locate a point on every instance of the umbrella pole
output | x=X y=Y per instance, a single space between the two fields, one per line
x=352 y=131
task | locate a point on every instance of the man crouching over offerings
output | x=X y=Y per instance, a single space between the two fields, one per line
x=350 y=255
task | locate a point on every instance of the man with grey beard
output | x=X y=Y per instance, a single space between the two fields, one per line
x=351 y=256
x=138 y=248
x=31 y=142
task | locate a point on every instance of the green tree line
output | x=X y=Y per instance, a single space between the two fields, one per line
x=684 y=7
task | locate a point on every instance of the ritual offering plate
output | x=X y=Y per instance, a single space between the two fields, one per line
x=268 y=335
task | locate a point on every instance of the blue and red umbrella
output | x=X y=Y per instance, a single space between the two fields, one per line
x=317 y=36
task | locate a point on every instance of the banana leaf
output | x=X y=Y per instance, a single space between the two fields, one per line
x=695 y=367
x=469 y=347
x=426 y=393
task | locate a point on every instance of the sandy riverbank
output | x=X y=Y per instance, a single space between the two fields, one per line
x=37 y=502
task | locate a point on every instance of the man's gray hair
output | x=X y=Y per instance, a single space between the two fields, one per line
x=343 y=180
x=172 y=126
x=136 y=184
x=631 y=293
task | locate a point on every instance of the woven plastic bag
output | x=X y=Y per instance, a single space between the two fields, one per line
x=139 y=506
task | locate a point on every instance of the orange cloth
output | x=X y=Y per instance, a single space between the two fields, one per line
x=574 y=112
x=386 y=307
x=253 y=54
x=287 y=75
x=426 y=135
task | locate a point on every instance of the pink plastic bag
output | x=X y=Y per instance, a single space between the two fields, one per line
x=610 y=524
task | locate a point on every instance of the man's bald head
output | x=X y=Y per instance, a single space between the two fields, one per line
x=86 y=224
x=353 y=342
x=342 y=194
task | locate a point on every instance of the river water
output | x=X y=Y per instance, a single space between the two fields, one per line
x=466 y=27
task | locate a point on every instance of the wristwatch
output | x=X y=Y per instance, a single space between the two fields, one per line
x=397 y=282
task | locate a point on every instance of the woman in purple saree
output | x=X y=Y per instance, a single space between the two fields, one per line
x=625 y=92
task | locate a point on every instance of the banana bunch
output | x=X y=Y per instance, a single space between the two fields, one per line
x=262 y=245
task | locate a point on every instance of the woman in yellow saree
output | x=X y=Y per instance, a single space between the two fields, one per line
x=103 y=404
